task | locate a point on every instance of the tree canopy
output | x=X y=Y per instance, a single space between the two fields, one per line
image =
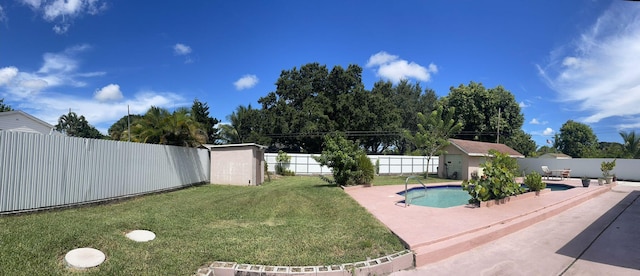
x=485 y=112
x=577 y=140
x=4 y=107
x=75 y=126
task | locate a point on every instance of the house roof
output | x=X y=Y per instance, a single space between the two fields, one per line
x=31 y=118
x=555 y=155
x=475 y=148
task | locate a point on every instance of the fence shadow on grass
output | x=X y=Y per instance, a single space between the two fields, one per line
x=613 y=238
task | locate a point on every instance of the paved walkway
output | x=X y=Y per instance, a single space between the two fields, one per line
x=598 y=237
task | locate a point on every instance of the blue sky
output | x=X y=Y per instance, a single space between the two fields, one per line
x=574 y=59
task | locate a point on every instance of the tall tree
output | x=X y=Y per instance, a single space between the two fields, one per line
x=522 y=142
x=631 y=144
x=159 y=126
x=433 y=132
x=200 y=113
x=245 y=127
x=577 y=140
x=485 y=112
x=75 y=126
x=4 y=107
x=119 y=131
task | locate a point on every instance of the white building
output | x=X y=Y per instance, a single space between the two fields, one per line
x=23 y=122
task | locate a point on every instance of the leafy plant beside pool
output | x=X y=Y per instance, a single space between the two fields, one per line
x=533 y=181
x=497 y=182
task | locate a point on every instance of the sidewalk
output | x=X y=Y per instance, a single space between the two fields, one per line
x=598 y=237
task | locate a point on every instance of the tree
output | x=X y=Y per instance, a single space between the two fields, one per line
x=485 y=112
x=577 y=140
x=346 y=160
x=433 y=132
x=4 y=107
x=245 y=126
x=75 y=126
x=200 y=113
x=522 y=142
x=631 y=144
x=119 y=131
x=159 y=126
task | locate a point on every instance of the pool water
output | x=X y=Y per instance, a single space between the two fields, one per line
x=438 y=197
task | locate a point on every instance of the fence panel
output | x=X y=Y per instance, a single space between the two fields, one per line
x=38 y=171
x=626 y=169
x=304 y=164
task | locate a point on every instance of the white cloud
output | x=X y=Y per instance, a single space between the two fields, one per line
x=246 y=82
x=7 y=74
x=535 y=121
x=598 y=72
x=63 y=12
x=58 y=69
x=110 y=92
x=523 y=105
x=393 y=68
x=548 y=131
x=3 y=16
x=181 y=49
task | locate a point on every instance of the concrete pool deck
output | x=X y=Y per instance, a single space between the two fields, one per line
x=436 y=234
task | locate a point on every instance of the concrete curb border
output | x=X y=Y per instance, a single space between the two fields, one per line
x=381 y=266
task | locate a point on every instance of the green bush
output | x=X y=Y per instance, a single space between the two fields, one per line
x=365 y=168
x=498 y=181
x=342 y=155
x=283 y=160
x=534 y=181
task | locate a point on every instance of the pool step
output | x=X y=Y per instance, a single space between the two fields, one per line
x=437 y=251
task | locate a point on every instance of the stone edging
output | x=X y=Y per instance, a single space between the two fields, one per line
x=380 y=266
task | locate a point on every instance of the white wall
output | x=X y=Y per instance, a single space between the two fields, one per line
x=304 y=164
x=626 y=169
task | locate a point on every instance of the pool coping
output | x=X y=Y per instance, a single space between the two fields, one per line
x=449 y=231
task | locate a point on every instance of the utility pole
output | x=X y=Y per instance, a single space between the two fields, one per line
x=128 y=124
x=498 y=134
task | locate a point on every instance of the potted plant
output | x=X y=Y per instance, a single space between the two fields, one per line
x=600 y=181
x=606 y=168
x=585 y=181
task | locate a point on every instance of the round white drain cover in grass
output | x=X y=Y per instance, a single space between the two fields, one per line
x=141 y=235
x=82 y=258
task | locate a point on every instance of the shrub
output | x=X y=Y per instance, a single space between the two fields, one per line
x=497 y=182
x=342 y=155
x=534 y=181
x=365 y=169
x=283 y=160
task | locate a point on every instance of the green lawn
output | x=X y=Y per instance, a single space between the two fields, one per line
x=289 y=221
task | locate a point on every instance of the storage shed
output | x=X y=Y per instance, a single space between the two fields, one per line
x=461 y=158
x=237 y=164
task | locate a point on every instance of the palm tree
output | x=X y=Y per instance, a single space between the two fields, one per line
x=229 y=135
x=631 y=144
x=150 y=128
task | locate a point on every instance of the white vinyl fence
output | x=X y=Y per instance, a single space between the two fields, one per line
x=41 y=171
x=626 y=169
x=304 y=164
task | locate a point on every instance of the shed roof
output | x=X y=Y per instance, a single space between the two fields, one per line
x=475 y=148
x=210 y=146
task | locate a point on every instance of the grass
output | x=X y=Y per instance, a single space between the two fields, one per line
x=290 y=221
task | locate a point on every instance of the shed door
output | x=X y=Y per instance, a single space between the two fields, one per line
x=453 y=165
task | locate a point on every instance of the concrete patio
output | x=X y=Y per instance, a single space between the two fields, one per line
x=440 y=236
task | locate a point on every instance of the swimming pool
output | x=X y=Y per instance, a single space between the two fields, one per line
x=450 y=196
x=438 y=197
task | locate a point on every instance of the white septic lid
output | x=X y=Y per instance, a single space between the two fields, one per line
x=82 y=258
x=141 y=235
